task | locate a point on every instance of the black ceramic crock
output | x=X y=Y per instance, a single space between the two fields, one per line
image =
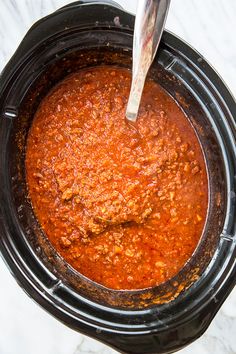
x=172 y=315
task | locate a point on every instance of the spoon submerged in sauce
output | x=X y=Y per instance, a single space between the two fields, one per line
x=149 y=24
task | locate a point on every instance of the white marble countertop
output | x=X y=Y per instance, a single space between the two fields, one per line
x=209 y=25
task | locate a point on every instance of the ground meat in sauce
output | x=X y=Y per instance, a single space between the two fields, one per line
x=124 y=204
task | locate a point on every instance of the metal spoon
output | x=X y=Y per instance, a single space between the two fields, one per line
x=149 y=24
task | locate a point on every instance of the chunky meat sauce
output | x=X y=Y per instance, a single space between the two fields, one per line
x=124 y=204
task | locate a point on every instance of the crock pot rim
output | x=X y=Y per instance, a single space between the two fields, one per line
x=168 y=37
x=230 y=103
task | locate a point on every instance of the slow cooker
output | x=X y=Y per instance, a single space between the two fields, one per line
x=167 y=317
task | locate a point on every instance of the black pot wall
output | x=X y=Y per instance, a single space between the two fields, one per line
x=162 y=319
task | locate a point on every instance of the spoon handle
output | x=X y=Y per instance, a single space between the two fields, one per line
x=149 y=24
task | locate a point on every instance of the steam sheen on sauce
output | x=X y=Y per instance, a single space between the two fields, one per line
x=124 y=204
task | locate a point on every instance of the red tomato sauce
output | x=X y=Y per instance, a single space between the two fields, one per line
x=124 y=204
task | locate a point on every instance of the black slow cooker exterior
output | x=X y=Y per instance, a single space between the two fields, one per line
x=171 y=316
